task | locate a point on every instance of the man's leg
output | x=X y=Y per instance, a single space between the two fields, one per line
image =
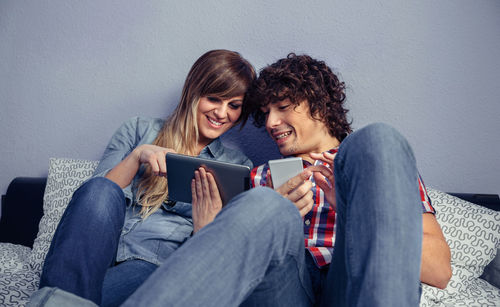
x=254 y=237
x=378 y=243
x=86 y=240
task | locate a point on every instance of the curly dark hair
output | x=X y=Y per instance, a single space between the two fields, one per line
x=299 y=78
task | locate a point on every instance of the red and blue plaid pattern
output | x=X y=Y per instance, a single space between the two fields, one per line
x=319 y=223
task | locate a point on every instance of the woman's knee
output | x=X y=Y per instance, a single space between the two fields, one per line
x=99 y=197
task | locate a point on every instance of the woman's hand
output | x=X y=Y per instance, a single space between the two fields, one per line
x=123 y=173
x=154 y=156
x=322 y=173
x=206 y=199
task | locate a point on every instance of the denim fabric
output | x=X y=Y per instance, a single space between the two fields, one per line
x=253 y=252
x=155 y=239
x=376 y=260
x=123 y=279
x=85 y=242
x=55 y=297
x=99 y=229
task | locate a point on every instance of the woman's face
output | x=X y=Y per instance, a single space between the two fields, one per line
x=216 y=115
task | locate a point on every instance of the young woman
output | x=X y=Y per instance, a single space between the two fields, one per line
x=120 y=225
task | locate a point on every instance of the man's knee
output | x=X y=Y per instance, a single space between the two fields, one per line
x=378 y=139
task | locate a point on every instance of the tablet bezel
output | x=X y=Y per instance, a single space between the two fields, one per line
x=231 y=178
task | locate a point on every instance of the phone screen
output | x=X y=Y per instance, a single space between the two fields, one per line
x=284 y=169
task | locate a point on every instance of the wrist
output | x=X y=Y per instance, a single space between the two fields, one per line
x=135 y=155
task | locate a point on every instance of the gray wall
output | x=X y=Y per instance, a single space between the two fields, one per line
x=72 y=71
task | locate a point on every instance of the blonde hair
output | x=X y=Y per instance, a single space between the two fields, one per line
x=221 y=73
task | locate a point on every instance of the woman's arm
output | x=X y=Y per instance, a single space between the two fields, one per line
x=123 y=173
x=435 y=267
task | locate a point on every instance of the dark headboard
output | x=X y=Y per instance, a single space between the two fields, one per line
x=491 y=201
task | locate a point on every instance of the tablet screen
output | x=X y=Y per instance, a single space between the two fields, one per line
x=231 y=178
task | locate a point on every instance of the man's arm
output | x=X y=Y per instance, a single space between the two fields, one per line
x=435 y=267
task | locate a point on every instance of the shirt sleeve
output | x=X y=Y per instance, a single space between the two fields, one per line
x=258 y=175
x=122 y=142
x=426 y=201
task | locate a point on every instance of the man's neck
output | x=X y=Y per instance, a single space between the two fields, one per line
x=324 y=146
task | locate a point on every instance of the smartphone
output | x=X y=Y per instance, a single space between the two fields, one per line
x=284 y=169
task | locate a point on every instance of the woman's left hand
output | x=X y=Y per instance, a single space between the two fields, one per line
x=206 y=199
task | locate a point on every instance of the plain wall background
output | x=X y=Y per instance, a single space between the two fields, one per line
x=72 y=71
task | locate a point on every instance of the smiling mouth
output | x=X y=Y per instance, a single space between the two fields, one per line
x=282 y=135
x=214 y=122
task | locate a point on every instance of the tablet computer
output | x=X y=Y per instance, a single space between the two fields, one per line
x=231 y=178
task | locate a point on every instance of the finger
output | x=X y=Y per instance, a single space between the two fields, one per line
x=305 y=203
x=204 y=182
x=194 y=198
x=287 y=187
x=329 y=155
x=269 y=180
x=199 y=188
x=306 y=209
x=325 y=157
x=323 y=183
x=214 y=190
x=300 y=192
x=323 y=170
x=162 y=165
x=155 y=168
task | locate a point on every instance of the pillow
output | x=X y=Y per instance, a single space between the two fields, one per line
x=473 y=234
x=64 y=177
x=492 y=271
x=12 y=257
x=472 y=231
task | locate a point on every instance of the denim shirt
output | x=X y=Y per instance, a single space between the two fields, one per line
x=156 y=237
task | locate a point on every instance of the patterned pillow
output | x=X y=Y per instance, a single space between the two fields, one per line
x=472 y=231
x=64 y=177
x=473 y=234
x=12 y=257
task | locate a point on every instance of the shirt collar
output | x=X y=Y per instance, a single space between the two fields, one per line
x=215 y=149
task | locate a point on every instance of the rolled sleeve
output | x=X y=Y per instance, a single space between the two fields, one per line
x=132 y=133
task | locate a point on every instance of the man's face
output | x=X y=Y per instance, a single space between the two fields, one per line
x=294 y=130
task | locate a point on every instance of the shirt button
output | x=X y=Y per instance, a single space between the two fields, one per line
x=307 y=222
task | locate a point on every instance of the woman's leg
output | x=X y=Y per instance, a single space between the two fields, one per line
x=86 y=240
x=123 y=279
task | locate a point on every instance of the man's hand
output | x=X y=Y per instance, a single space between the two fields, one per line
x=324 y=176
x=206 y=199
x=298 y=191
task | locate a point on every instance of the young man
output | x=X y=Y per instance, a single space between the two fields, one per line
x=355 y=228
x=363 y=240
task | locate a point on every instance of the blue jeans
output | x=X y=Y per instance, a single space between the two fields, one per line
x=377 y=252
x=251 y=266
x=82 y=253
x=253 y=252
